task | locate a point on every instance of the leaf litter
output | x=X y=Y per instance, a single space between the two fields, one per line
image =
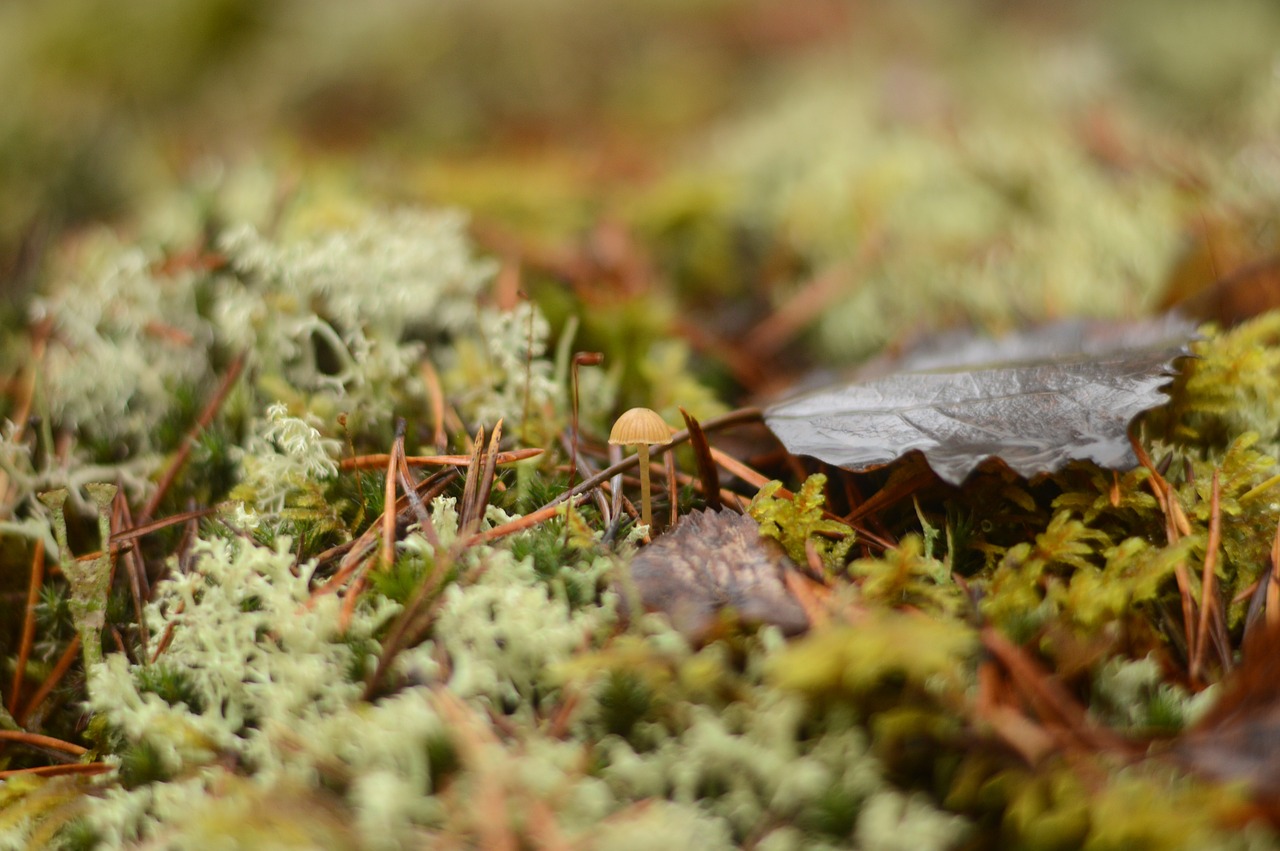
x=1035 y=400
x=717 y=564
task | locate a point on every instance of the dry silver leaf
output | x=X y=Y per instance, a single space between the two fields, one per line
x=1035 y=400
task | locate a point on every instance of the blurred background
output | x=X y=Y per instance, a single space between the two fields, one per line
x=772 y=181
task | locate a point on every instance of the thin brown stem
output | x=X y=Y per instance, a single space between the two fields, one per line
x=645 y=508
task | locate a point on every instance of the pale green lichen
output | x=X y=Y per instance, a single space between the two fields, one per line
x=1133 y=696
x=1007 y=221
x=125 y=339
x=503 y=372
x=282 y=458
x=90 y=579
x=332 y=312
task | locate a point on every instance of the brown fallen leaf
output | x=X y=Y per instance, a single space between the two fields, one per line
x=1248 y=291
x=712 y=564
x=1035 y=400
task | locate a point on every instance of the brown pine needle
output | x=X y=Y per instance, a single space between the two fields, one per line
x=802 y=308
x=371 y=462
x=142 y=529
x=814 y=597
x=189 y=441
x=137 y=573
x=1208 y=585
x=39 y=741
x=348 y=609
x=410 y=487
x=702 y=459
x=1273 y=586
x=26 y=394
x=1052 y=702
x=891 y=494
x=435 y=398
x=519 y=524
x=1173 y=532
x=735 y=467
x=354 y=552
x=53 y=770
x=28 y=624
x=389 y=501
x=65 y=661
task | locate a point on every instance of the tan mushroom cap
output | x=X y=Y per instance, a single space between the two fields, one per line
x=640 y=425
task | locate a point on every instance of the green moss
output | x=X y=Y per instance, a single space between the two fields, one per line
x=799 y=521
x=861 y=196
x=907 y=577
x=889 y=647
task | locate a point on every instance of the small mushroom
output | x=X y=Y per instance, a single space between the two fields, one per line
x=641 y=427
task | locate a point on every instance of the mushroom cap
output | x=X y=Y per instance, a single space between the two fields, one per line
x=640 y=425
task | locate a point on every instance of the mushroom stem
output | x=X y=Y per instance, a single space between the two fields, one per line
x=646 y=511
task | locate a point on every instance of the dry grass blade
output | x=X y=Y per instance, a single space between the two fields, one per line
x=702 y=459
x=28 y=624
x=479 y=482
x=472 y=483
x=1208 y=587
x=180 y=457
x=410 y=487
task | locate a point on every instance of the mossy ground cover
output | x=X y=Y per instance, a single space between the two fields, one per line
x=296 y=311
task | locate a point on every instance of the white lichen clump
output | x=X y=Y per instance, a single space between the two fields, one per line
x=353 y=310
x=123 y=339
x=335 y=321
x=279 y=458
x=932 y=208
